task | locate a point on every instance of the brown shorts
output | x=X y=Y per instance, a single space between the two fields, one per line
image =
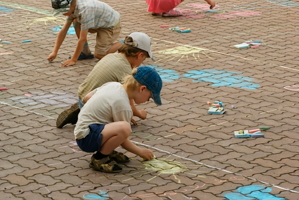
x=105 y=38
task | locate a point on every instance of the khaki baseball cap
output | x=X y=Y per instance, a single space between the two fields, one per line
x=141 y=41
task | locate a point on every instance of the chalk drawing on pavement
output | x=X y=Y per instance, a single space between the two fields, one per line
x=222 y=78
x=218 y=78
x=252 y=192
x=71 y=30
x=204 y=11
x=181 y=52
x=5 y=9
x=167 y=75
x=287 y=3
x=45 y=21
x=101 y=195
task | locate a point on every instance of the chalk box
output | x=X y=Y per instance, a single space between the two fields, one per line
x=245 y=134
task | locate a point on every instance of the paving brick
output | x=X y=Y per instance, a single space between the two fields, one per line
x=180 y=130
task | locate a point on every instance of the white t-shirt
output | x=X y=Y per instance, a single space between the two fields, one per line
x=110 y=103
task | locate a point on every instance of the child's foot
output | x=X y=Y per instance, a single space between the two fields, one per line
x=155 y=14
x=119 y=157
x=68 y=116
x=105 y=165
x=84 y=56
x=212 y=5
x=172 y=13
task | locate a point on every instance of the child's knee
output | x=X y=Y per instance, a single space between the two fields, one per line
x=98 y=56
x=126 y=129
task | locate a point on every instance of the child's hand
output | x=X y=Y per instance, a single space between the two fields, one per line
x=133 y=121
x=142 y=114
x=146 y=154
x=51 y=57
x=67 y=63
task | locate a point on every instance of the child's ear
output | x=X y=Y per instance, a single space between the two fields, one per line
x=142 y=87
x=141 y=54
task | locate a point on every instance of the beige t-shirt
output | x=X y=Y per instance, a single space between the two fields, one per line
x=110 y=103
x=112 y=68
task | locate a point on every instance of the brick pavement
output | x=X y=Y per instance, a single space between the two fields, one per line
x=197 y=155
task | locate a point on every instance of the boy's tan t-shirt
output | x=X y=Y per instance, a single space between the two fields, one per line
x=110 y=103
x=112 y=68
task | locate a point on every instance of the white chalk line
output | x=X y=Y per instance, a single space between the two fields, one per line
x=1 y=102
x=218 y=168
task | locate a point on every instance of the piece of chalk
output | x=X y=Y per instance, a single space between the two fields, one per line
x=25 y=41
x=264 y=128
x=164 y=26
x=254 y=46
x=3 y=88
x=5 y=42
x=150 y=159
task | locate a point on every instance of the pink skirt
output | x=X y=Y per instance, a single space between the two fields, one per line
x=161 y=6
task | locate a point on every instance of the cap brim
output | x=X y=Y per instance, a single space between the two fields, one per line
x=151 y=56
x=157 y=99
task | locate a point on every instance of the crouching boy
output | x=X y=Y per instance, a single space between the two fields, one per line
x=104 y=121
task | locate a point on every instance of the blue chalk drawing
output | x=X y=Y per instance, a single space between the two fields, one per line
x=5 y=9
x=167 y=75
x=252 y=192
x=100 y=195
x=222 y=78
x=71 y=30
x=284 y=2
x=217 y=77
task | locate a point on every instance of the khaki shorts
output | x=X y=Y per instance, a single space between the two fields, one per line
x=105 y=38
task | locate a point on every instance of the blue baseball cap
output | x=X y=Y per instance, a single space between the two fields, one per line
x=149 y=77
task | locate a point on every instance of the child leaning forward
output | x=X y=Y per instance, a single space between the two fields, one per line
x=87 y=16
x=104 y=121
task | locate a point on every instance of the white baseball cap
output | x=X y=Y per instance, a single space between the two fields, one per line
x=141 y=41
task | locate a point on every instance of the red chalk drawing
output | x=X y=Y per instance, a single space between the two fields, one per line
x=6 y=53
x=244 y=13
x=199 y=5
x=204 y=11
x=222 y=16
x=187 y=13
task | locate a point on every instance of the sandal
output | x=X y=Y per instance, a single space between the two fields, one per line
x=68 y=116
x=105 y=165
x=172 y=13
x=119 y=157
x=84 y=56
x=292 y=87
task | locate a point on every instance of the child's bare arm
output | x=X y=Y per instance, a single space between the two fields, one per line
x=81 y=41
x=138 y=113
x=59 y=40
x=146 y=154
x=88 y=96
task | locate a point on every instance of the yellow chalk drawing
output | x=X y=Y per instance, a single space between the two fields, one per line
x=185 y=51
x=45 y=20
x=165 y=166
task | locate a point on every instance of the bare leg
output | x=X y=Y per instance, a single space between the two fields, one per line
x=114 y=134
x=77 y=28
x=115 y=46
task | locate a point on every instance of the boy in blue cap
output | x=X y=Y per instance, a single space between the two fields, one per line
x=87 y=16
x=104 y=121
